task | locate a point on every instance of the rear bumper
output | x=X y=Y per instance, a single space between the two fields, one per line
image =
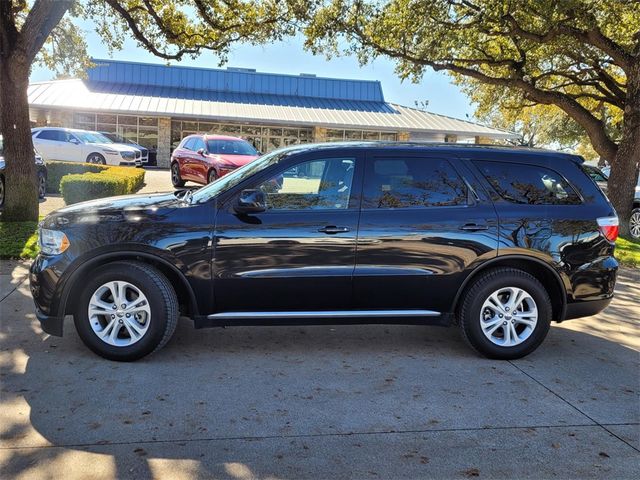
x=586 y=309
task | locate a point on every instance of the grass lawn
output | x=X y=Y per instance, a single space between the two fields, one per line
x=628 y=252
x=18 y=239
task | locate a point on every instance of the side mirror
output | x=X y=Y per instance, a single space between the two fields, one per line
x=202 y=151
x=251 y=201
x=74 y=141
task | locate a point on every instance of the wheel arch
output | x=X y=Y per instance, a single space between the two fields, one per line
x=177 y=278
x=542 y=271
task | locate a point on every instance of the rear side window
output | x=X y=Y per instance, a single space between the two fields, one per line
x=412 y=183
x=528 y=184
x=51 y=135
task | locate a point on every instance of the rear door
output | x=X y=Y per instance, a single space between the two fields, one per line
x=48 y=142
x=424 y=224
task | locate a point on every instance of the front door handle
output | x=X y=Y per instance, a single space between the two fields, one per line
x=474 y=227
x=332 y=229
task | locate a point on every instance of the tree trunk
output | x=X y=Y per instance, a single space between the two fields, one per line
x=21 y=185
x=624 y=168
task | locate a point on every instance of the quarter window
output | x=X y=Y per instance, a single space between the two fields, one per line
x=528 y=184
x=412 y=183
x=317 y=184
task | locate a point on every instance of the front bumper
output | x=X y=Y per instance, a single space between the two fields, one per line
x=46 y=290
x=51 y=325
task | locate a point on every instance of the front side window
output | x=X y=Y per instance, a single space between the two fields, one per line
x=312 y=185
x=189 y=143
x=412 y=183
x=198 y=144
x=528 y=184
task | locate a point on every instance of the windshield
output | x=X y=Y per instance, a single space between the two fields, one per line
x=237 y=176
x=92 y=137
x=230 y=147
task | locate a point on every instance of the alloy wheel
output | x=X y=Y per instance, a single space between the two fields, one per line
x=175 y=174
x=119 y=313
x=509 y=316
x=42 y=186
x=634 y=224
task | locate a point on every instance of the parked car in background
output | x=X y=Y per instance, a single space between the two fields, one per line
x=73 y=145
x=41 y=171
x=497 y=241
x=115 y=138
x=634 y=221
x=205 y=158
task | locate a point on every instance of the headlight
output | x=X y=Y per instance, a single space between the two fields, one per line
x=53 y=242
x=130 y=155
x=108 y=151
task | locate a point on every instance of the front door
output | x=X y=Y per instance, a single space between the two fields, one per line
x=423 y=224
x=298 y=255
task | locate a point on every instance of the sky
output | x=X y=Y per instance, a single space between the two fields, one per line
x=289 y=57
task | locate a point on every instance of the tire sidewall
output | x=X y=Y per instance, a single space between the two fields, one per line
x=158 y=318
x=473 y=328
x=175 y=168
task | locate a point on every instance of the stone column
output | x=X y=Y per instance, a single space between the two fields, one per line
x=404 y=136
x=483 y=140
x=319 y=134
x=451 y=138
x=164 y=142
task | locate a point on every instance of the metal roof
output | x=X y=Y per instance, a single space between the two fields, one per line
x=233 y=80
x=275 y=109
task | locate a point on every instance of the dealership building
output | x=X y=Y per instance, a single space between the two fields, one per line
x=157 y=105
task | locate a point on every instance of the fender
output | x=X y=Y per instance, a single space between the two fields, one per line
x=119 y=255
x=502 y=258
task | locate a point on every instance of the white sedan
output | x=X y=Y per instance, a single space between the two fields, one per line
x=82 y=146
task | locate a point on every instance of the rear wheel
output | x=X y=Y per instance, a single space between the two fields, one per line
x=634 y=223
x=126 y=310
x=505 y=314
x=42 y=185
x=211 y=176
x=96 y=158
x=176 y=179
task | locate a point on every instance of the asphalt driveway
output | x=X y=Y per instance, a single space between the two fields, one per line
x=320 y=402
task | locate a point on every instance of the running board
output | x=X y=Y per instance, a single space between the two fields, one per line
x=324 y=314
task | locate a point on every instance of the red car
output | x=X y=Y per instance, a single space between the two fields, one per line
x=205 y=158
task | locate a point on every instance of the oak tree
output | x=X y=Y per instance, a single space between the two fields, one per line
x=581 y=56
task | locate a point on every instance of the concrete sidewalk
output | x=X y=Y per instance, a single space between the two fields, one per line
x=320 y=402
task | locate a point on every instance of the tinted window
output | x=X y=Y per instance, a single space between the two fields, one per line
x=316 y=184
x=595 y=173
x=55 y=135
x=188 y=144
x=230 y=147
x=197 y=144
x=412 y=183
x=528 y=184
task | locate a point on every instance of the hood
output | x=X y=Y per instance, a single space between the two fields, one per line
x=115 y=146
x=127 y=207
x=235 y=160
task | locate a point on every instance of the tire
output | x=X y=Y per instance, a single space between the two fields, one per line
x=42 y=185
x=176 y=179
x=477 y=310
x=96 y=158
x=1 y=190
x=211 y=176
x=159 y=318
x=634 y=224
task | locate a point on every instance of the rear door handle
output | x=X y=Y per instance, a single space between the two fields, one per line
x=332 y=229
x=474 y=227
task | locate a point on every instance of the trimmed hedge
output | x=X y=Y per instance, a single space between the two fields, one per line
x=111 y=181
x=58 y=169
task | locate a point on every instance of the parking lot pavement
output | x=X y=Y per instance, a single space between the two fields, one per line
x=321 y=402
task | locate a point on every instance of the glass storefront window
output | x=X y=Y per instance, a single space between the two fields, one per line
x=387 y=136
x=127 y=120
x=148 y=121
x=353 y=135
x=85 y=118
x=148 y=137
x=105 y=118
x=371 y=135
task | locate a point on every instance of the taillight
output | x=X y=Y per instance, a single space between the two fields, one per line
x=609 y=227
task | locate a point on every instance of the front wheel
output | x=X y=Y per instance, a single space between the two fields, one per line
x=505 y=314
x=96 y=159
x=634 y=223
x=126 y=310
x=211 y=176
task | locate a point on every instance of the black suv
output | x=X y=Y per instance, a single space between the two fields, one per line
x=499 y=241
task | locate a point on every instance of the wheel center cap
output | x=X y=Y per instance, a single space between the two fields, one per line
x=120 y=313
x=508 y=317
